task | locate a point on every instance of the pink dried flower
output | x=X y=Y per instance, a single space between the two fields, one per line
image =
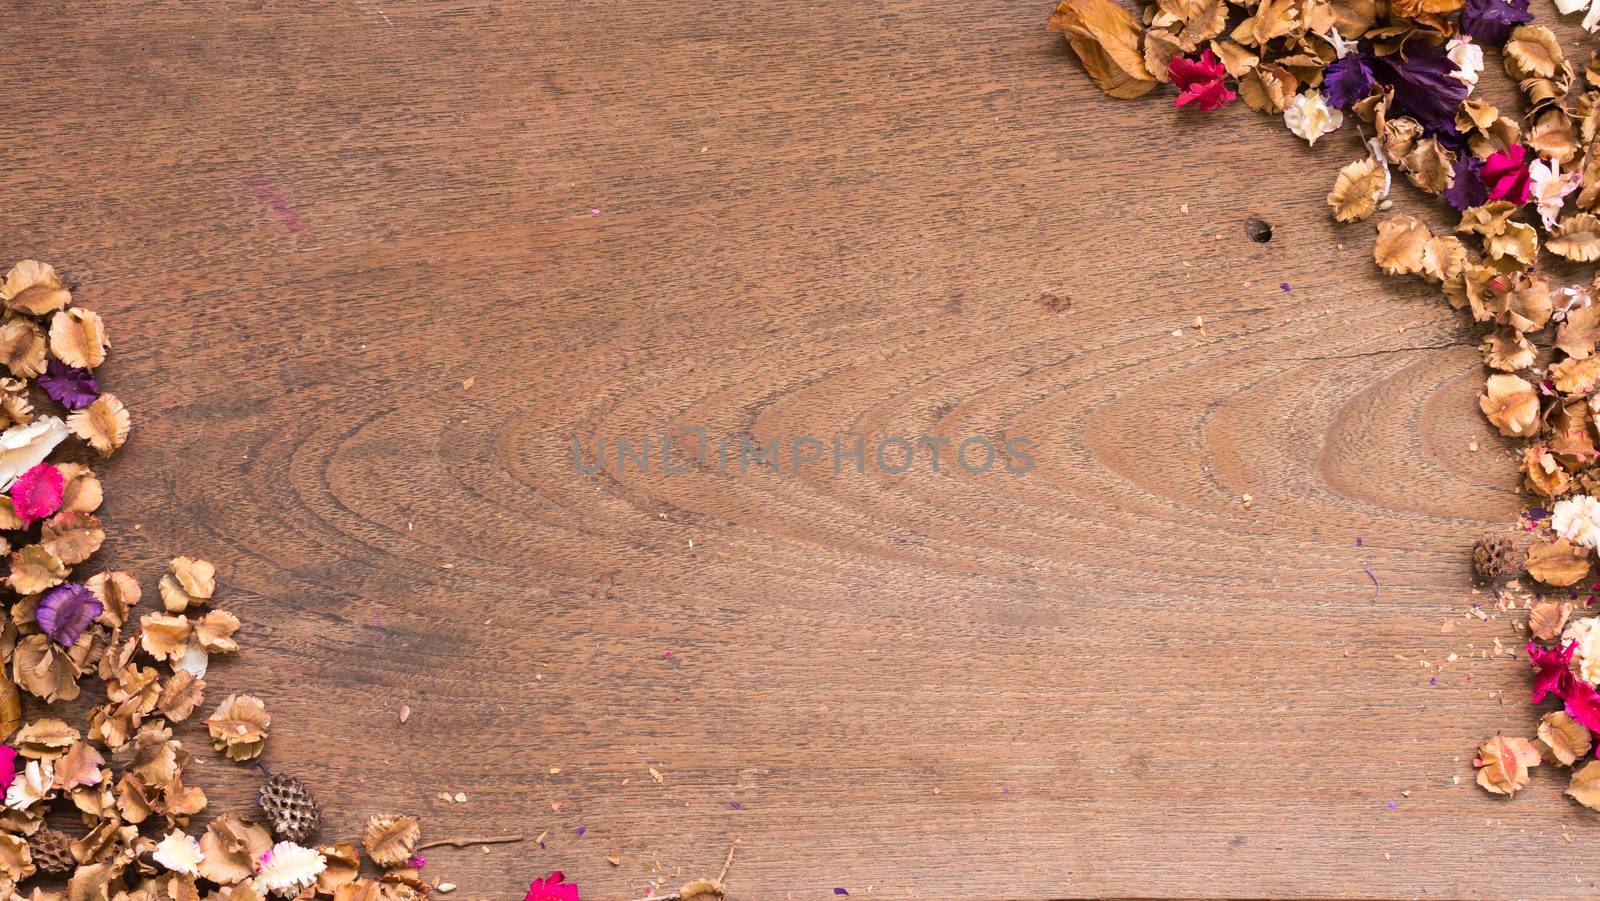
x=1505 y=174
x=1553 y=674
x=8 y=766
x=1199 y=81
x=552 y=888
x=37 y=493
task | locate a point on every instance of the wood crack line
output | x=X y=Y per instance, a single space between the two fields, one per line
x=1391 y=350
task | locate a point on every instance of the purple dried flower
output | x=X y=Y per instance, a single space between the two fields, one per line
x=1423 y=87
x=1489 y=22
x=1347 y=80
x=69 y=386
x=66 y=611
x=1467 y=190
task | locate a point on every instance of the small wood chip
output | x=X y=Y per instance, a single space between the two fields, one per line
x=405 y=713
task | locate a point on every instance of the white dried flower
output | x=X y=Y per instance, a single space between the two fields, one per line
x=288 y=869
x=1591 y=19
x=179 y=853
x=1309 y=116
x=1585 y=633
x=1468 y=58
x=23 y=447
x=1549 y=188
x=31 y=785
x=1577 y=519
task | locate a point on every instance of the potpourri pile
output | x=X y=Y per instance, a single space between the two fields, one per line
x=1525 y=183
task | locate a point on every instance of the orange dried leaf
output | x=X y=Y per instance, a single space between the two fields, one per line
x=1503 y=764
x=1106 y=38
x=1512 y=404
x=1559 y=563
x=104 y=424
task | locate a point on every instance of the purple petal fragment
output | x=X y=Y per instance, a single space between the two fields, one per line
x=1490 y=22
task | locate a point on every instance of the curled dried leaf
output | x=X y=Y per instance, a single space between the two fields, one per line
x=1585 y=785
x=118 y=591
x=1106 y=39
x=23 y=347
x=1577 y=238
x=164 y=637
x=188 y=583
x=33 y=288
x=72 y=537
x=1503 y=764
x=34 y=569
x=1565 y=739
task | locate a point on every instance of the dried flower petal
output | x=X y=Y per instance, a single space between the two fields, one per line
x=1511 y=403
x=1106 y=38
x=552 y=888
x=69 y=386
x=82 y=492
x=214 y=632
x=104 y=424
x=72 y=537
x=1200 y=81
x=1503 y=764
x=239 y=726
x=37 y=492
x=1566 y=739
x=188 y=583
x=1559 y=563
x=1360 y=187
x=24 y=447
x=23 y=347
x=118 y=592
x=33 y=569
x=288 y=869
x=1310 y=117
x=391 y=840
x=64 y=612
x=164 y=637
x=33 y=288
x=231 y=848
x=78 y=338
x=180 y=696
x=1402 y=241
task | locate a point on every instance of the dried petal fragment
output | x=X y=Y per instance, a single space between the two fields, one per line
x=179 y=853
x=33 y=569
x=1566 y=739
x=73 y=537
x=188 y=583
x=118 y=591
x=66 y=611
x=1577 y=238
x=239 y=726
x=1512 y=404
x=104 y=424
x=391 y=840
x=69 y=386
x=214 y=632
x=180 y=696
x=231 y=848
x=23 y=347
x=288 y=869
x=164 y=637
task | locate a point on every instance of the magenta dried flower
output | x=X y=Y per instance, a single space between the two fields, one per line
x=65 y=611
x=69 y=386
x=37 y=493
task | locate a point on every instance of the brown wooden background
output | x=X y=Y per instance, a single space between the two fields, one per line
x=310 y=224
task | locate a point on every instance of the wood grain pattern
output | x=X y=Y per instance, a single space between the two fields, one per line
x=309 y=224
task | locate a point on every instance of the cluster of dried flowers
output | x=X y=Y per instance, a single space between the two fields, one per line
x=1521 y=183
x=104 y=807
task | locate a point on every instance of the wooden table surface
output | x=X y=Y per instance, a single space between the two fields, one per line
x=369 y=266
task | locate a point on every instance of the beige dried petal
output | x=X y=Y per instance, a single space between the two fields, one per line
x=1576 y=376
x=43 y=670
x=72 y=537
x=1515 y=248
x=1106 y=39
x=1430 y=166
x=214 y=632
x=16 y=860
x=1507 y=350
x=104 y=424
x=1512 y=404
x=46 y=738
x=118 y=592
x=1585 y=785
x=179 y=853
x=288 y=869
x=189 y=583
x=702 y=890
x=239 y=726
x=1559 y=563
x=1503 y=764
x=1400 y=137
x=391 y=840
x=231 y=848
x=1566 y=739
x=1358 y=190
x=1401 y=242
x=78 y=338
x=80 y=490
x=23 y=347
x=180 y=696
x=1533 y=52
x=164 y=637
x=1576 y=237
x=344 y=865
x=1547 y=618
x=34 y=288
x=79 y=766
x=34 y=569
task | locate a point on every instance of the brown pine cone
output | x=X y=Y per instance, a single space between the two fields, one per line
x=290 y=808
x=52 y=852
x=1495 y=556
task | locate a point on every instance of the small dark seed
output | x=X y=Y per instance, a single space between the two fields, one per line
x=1259 y=230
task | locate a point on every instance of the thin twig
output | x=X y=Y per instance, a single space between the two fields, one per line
x=721 y=877
x=464 y=842
x=1377 y=590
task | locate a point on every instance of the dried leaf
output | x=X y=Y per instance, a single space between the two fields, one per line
x=1566 y=739
x=214 y=632
x=118 y=591
x=1429 y=166
x=1547 y=618
x=72 y=537
x=188 y=583
x=34 y=569
x=391 y=840
x=231 y=848
x=33 y=288
x=180 y=696
x=1106 y=38
x=23 y=347
x=1559 y=563
x=45 y=670
x=164 y=637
